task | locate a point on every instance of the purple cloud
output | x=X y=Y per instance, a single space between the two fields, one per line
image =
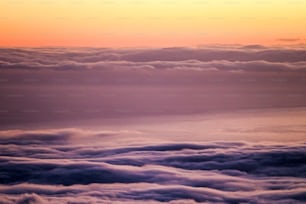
x=213 y=171
x=43 y=88
x=76 y=83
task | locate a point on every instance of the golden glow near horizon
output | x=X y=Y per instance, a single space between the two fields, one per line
x=158 y=23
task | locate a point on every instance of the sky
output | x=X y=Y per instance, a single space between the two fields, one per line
x=150 y=23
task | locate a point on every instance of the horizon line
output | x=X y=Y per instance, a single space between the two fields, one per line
x=158 y=47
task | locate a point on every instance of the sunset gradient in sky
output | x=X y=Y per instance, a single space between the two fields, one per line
x=137 y=23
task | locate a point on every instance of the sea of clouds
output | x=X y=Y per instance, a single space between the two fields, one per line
x=46 y=89
x=50 y=167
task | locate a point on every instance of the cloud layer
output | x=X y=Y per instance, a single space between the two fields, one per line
x=68 y=84
x=76 y=86
x=50 y=168
x=248 y=58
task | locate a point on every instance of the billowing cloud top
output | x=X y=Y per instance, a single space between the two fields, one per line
x=55 y=169
x=247 y=58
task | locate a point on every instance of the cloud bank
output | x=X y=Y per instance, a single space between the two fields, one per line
x=247 y=58
x=62 y=171
x=68 y=84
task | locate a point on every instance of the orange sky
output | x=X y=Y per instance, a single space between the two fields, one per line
x=154 y=23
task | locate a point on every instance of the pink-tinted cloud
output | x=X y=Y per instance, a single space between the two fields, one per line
x=65 y=84
x=49 y=87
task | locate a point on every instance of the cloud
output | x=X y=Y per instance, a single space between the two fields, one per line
x=35 y=139
x=89 y=58
x=225 y=172
x=168 y=66
x=289 y=39
x=69 y=84
x=76 y=166
x=31 y=199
